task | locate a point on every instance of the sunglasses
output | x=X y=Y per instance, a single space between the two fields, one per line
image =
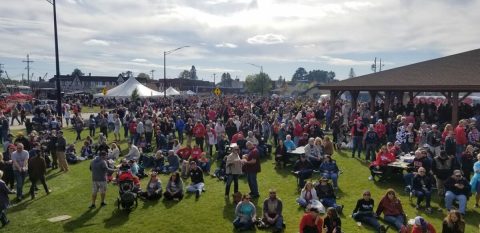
x=273 y=193
x=367 y=194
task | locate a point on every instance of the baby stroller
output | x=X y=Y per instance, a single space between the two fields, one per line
x=127 y=197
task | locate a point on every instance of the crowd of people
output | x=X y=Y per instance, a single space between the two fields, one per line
x=187 y=135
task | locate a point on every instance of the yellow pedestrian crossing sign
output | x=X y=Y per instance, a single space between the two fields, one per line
x=217 y=91
x=104 y=91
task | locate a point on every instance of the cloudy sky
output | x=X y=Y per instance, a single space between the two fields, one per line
x=106 y=37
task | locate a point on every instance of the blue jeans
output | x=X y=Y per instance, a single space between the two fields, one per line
x=459 y=150
x=333 y=177
x=423 y=194
x=19 y=179
x=194 y=187
x=357 y=145
x=408 y=178
x=242 y=225
x=370 y=151
x=303 y=175
x=396 y=220
x=450 y=197
x=328 y=202
x=302 y=202
x=367 y=219
x=252 y=184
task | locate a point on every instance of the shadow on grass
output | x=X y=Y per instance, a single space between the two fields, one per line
x=79 y=222
x=149 y=203
x=169 y=203
x=53 y=175
x=118 y=218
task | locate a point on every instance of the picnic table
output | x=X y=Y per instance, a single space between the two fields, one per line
x=295 y=154
x=402 y=162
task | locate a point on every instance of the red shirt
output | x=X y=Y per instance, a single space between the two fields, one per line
x=383 y=159
x=298 y=130
x=460 y=135
x=309 y=220
x=418 y=229
x=196 y=153
x=380 y=130
x=199 y=131
x=184 y=153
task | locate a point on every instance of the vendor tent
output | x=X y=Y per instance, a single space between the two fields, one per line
x=125 y=90
x=171 y=91
x=190 y=93
x=19 y=96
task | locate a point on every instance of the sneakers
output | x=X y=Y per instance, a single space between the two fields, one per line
x=103 y=204
x=92 y=206
x=428 y=210
x=370 y=178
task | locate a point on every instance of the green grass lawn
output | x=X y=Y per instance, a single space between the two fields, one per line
x=211 y=213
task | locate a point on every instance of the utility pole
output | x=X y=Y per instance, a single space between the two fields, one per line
x=380 y=68
x=28 y=61
x=214 y=79
x=151 y=71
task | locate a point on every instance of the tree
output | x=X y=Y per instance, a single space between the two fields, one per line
x=193 y=73
x=135 y=95
x=351 y=74
x=184 y=74
x=226 y=80
x=299 y=74
x=258 y=83
x=143 y=76
x=127 y=74
x=77 y=72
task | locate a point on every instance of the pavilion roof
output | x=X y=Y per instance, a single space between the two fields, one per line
x=458 y=72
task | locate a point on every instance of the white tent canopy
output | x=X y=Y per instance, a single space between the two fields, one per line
x=125 y=90
x=190 y=93
x=171 y=91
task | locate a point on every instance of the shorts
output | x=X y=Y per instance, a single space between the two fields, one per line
x=99 y=186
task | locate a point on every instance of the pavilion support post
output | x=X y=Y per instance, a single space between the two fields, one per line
x=455 y=100
x=373 y=96
x=387 y=102
x=400 y=97
x=354 y=95
x=333 y=100
x=410 y=96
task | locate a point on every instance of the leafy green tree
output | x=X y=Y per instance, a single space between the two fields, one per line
x=299 y=74
x=135 y=95
x=143 y=75
x=193 y=73
x=226 y=80
x=184 y=74
x=258 y=83
x=77 y=72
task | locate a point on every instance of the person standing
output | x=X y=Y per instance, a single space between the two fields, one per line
x=4 y=201
x=37 y=168
x=99 y=169
x=117 y=124
x=233 y=169
x=20 y=168
x=60 y=149
x=199 y=132
x=252 y=167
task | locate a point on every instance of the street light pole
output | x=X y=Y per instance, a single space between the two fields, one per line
x=57 y=61
x=165 y=53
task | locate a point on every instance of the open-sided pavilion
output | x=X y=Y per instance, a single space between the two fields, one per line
x=451 y=76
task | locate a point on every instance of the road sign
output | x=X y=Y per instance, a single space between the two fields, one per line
x=217 y=91
x=104 y=91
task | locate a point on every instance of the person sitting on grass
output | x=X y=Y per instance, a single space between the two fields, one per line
x=174 y=189
x=422 y=188
x=329 y=169
x=392 y=210
x=272 y=211
x=326 y=194
x=363 y=213
x=245 y=214
x=173 y=163
x=204 y=163
x=453 y=223
x=185 y=152
x=311 y=221
x=308 y=197
x=332 y=222
x=154 y=188
x=422 y=226
x=158 y=162
x=380 y=164
x=196 y=176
